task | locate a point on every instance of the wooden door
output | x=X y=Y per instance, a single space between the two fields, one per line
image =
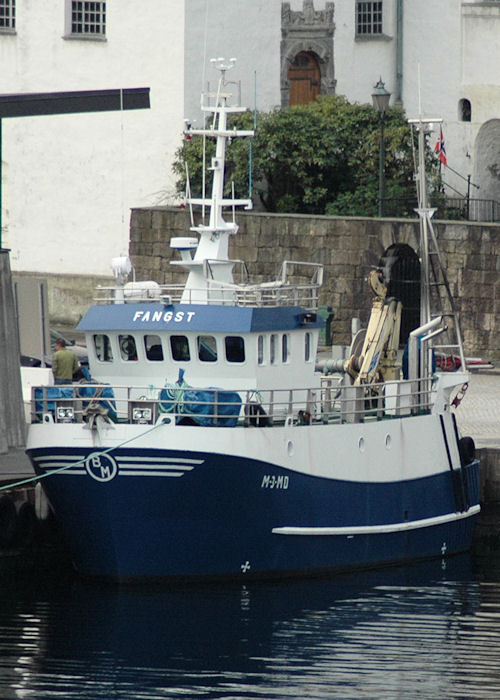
x=304 y=78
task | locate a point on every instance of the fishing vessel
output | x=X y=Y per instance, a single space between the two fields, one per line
x=208 y=440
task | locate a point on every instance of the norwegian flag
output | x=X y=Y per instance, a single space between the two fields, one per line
x=439 y=148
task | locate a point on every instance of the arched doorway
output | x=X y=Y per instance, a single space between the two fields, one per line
x=400 y=268
x=304 y=77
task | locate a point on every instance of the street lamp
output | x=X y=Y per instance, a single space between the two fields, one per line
x=380 y=98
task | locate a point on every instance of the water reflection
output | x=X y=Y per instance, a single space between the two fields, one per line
x=418 y=631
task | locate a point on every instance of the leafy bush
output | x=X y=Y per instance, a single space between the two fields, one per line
x=313 y=159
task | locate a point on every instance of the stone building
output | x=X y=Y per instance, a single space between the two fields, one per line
x=69 y=181
x=437 y=60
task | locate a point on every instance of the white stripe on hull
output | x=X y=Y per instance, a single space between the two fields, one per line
x=377 y=529
x=127 y=466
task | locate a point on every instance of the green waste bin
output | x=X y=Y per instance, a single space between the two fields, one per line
x=325 y=334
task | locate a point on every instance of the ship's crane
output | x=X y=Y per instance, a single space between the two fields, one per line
x=378 y=356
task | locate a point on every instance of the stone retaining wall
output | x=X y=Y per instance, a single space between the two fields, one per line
x=490 y=474
x=348 y=248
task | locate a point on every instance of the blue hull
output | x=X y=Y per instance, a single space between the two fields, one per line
x=217 y=518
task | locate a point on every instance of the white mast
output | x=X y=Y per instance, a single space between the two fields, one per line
x=425 y=213
x=210 y=263
x=429 y=247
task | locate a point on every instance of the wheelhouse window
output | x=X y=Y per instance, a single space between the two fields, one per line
x=153 y=348
x=128 y=350
x=368 y=18
x=207 y=348
x=272 y=348
x=179 y=347
x=102 y=346
x=7 y=15
x=85 y=19
x=307 y=347
x=235 y=348
x=260 y=349
x=285 y=347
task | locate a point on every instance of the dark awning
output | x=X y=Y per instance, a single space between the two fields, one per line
x=39 y=103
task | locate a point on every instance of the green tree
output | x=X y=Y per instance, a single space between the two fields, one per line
x=313 y=159
x=195 y=151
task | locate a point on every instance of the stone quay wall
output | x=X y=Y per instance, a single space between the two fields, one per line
x=348 y=248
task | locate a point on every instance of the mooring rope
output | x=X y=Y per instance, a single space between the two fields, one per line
x=80 y=461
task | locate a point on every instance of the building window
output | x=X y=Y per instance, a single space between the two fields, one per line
x=7 y=15
x=87 y=19
x=465 y=111
x=368 y=18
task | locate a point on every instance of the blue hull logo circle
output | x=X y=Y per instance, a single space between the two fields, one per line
x=101 y=467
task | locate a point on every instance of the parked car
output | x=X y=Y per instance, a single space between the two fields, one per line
x=28 y=361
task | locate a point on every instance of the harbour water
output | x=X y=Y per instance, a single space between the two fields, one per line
x=430 y=630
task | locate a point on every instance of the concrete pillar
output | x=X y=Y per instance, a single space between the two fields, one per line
x=12 y=420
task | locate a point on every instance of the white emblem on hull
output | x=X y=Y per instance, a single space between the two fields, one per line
x=101 y=467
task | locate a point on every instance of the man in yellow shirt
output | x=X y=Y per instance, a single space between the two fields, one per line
x=64 y=363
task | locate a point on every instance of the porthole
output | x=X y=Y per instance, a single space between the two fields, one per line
x=388 y=442
x=361 y=444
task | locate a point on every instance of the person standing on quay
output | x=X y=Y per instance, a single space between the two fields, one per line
x=64 y=363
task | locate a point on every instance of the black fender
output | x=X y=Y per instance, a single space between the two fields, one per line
x=467 y=450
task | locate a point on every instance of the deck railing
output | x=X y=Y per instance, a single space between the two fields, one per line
x=287 y=290
x=305 y=295
x=332 y=401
